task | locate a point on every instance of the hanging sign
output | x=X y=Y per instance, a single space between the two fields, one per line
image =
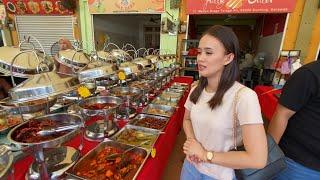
x=239 y=6
x=125 y=6
x=36 y=7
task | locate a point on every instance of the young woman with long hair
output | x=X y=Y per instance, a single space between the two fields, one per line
x=208 y=119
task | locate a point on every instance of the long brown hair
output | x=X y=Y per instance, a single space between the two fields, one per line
x=230 y=73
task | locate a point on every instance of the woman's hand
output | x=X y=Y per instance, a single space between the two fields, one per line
x=193 y=148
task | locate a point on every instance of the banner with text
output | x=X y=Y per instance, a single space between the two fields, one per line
x=239 y=6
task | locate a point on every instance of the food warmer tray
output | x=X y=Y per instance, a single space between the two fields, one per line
x=135 y=94
x=26 y=62
x=73 y=58
x=165 y=108
x=100 y=99
x=170 y=96
x=61 y=118
x=94 y=152
x=176 y=85
x=28 y=107
x=6 y=160
x=58 y=161
x=42 y=86
x=154 y=132
x=161 y=101
x=96 y=70
x=139 y=117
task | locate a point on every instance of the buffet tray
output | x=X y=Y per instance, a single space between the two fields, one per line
x=169 y=95
x=177 y=85
x=160 y=101
x=28 y=107
x=147 y=131
x=140 y=117
x=165 y=108
x=94 y=152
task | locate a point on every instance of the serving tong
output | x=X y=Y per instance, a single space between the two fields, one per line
x=115 y=155
x=49 y=131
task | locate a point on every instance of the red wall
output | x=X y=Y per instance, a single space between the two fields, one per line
x=273 y=24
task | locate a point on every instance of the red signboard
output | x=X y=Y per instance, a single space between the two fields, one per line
x=239 y=6
x=36 y=7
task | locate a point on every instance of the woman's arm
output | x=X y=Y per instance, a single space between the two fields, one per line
x=187 y=126
x=255 y=155
x=279 y=122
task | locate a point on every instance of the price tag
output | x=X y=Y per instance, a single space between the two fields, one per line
x=153 y=152
x=121 y=75
x=84 y=91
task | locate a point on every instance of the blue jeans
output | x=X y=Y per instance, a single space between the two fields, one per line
x=189 y=172
x=296 y=171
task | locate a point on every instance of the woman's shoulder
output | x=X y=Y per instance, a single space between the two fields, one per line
x=243 y=90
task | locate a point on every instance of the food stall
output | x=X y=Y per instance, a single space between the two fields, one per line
x=125 y=128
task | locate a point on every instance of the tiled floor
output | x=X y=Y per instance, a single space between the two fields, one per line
x=173 y=169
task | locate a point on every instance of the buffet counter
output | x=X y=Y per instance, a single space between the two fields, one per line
x=268 y=100
x=153 y=167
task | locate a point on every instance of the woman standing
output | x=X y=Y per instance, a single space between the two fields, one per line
x=208 y=119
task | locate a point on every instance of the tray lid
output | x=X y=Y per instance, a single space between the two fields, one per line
x=24 y=61
x=97 y=70
x=43 y=85
x=142 y=61
x=78 y=56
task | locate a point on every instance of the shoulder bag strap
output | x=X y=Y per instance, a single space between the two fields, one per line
x=235 y=101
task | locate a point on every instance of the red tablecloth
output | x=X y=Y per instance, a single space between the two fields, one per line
x=153 y=167
x=267 y=99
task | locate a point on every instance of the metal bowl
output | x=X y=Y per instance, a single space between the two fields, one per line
x=28 y=107
x=61 y=119
x=99 y=99
x=122 y=92
x=6 y=160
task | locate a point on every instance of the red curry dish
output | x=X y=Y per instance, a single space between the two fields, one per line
x=27 y=133
x=120 y=167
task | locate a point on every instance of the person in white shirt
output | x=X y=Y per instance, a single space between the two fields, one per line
x=208 y=119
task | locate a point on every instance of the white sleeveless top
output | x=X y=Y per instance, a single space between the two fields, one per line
x=213 y=128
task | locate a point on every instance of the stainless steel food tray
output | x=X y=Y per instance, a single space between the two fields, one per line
x=172 y=102
x=61 y=119
x=139 y=117
x=6 y=160
x=99 y=148
x=160 y=107
x=138 y=128
x=28 y=107
x=100 y=99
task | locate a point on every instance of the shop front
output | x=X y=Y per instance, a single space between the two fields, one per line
x=47 y=21
x=134 y=24
x=259 y=25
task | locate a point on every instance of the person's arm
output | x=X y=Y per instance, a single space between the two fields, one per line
x=187 y=126
x=279 y=122
x=297 y=92
x=254 y=156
